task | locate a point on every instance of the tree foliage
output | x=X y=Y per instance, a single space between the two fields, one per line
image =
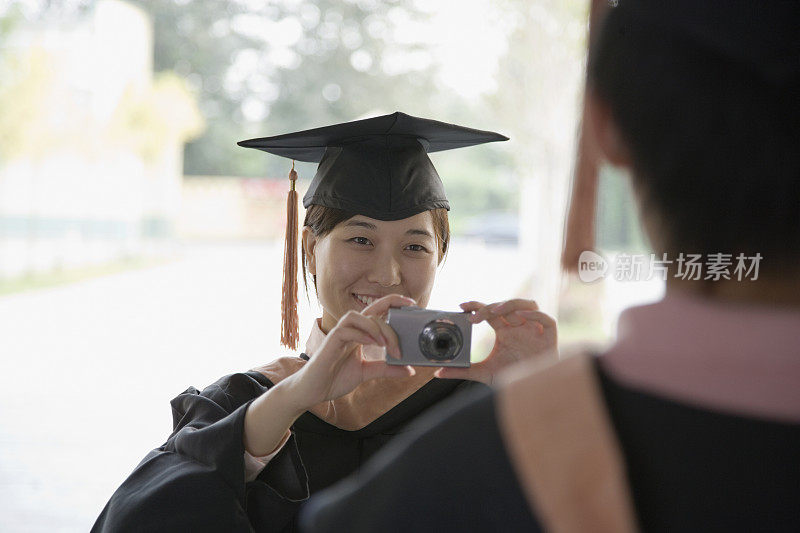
x=264 y=69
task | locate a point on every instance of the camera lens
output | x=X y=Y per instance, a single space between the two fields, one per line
x=440 y=340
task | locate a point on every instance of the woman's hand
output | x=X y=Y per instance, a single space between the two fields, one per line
x=335 y=369
x=521 y=331
x=338 y=366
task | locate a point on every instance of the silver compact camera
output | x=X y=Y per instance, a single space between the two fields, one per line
x=431 y=338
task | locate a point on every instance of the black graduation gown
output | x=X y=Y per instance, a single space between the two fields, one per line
x=689 y=469
x=195 y=480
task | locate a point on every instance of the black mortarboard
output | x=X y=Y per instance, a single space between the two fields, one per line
x=761 y=34
x=376 y=167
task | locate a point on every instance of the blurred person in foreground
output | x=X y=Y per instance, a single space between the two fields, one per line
x=691 y=420
x=249 y=449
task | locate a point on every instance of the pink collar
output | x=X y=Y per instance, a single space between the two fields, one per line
x=734 y=358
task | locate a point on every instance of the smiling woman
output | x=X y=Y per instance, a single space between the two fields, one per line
x=371 y=258
x=247 y=451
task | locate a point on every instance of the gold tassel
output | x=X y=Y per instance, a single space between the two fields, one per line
x=289 y=319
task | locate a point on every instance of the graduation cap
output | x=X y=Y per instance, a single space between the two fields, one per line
x=376 y=167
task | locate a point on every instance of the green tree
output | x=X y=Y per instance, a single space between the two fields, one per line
x=260 y=70
x=618 y=226
x=267 y=70
x=539 y=84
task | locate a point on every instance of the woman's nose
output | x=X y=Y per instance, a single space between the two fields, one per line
x=385 y=271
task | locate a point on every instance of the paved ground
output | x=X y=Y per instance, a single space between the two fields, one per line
x=88 y=369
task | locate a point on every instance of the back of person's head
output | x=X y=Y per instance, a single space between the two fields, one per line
x=706 y=99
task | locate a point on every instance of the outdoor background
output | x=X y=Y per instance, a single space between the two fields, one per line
x=141 y=249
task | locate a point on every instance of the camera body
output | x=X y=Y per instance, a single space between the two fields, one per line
x=431 y=338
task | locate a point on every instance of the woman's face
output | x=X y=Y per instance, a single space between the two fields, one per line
x=363 y=259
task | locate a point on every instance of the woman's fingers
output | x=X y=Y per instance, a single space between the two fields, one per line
x=381 y=306
x=353 y=327
x=516 y=304
x=481 y=312
x=344 y=335
x=378 y=331
x=547 y=322
x=500 y=314
x=471 y=306
x=514 y=319
x=392 y=342
x=378 y=310
x=368 y=327
x=353 y=319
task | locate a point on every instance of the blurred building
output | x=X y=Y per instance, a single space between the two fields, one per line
x=91 y=144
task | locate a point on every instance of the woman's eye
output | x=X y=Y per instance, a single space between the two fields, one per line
x=360 y=240
x=417 y=248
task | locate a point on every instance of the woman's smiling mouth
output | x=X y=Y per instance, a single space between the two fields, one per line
x=364 y=299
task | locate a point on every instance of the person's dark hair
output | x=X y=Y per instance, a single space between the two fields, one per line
x=322 y=220
x=714 y=146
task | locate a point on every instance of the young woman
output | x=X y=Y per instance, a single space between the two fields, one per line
x=691 y=420
x=249 y=449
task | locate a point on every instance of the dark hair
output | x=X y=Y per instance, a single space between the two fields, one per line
x=322 y=220
x=714 y=146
